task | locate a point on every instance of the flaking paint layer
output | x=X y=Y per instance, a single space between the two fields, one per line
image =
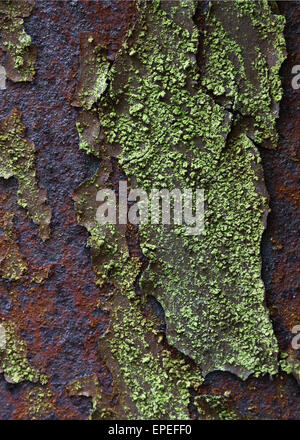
x=171 y=125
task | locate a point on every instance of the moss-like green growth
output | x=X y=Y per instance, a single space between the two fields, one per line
x=20 y=54
x=291 y=365
x=172 y=133
x=158 y=384
x=39 y=401
x=16 y=8
x=211 y=407
x=13 y=358
x=152 y=382
x=18 y=160
x=171 y=125
x=12 y=263
x=246 y=72
x=88 y=127
x=94 y=69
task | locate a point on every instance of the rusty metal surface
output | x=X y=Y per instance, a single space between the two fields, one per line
x=60 y=320
x=279 y=398
x=55 y=302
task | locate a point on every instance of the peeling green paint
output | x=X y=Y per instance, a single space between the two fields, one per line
x=152 y=381
x=173 y=125
x=18 y=160
x=172 y=133
x=94 y=69
x=20 y=54
x=12 y=263
x=13 y=359
x=246 y=74
x=290 y=364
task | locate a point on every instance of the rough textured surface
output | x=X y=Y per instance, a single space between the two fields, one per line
x=20 y=54
x=70 y=305
x=17 y=160
x=173 y=134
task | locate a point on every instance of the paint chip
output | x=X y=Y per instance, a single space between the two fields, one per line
x=2 y=78
x=2 y=338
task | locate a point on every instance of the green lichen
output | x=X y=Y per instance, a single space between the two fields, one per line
x=246 y=73
x=132 y=346
x=290 y=365
x=94 y=69
x=18 y=160
x=12 y=263
x=40 y=402
x=16 y=8
x=88 y=127
x=171 y=125
x=13 y=358
x=171 y=133
x=20 y=54
x=159 y=384
x=216 y=407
